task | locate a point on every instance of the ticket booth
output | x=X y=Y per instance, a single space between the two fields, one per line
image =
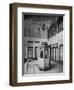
x=44 y=61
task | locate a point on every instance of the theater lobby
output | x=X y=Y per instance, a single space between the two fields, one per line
x=42 y=45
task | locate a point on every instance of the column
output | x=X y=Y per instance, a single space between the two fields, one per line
x=26 y=51
x=33 y=51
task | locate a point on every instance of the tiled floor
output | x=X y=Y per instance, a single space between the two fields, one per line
x=33 y=68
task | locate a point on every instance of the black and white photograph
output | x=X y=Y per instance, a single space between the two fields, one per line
x=42 y=43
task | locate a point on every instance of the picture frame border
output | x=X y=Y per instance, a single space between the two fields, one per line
x=13 y=43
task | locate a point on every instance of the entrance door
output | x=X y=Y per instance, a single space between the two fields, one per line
x=30 y=66
x=53 y=56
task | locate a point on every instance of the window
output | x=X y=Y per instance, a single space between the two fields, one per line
x=30 y=52
x=60 y=26
x=61 y=52
x=54 y=51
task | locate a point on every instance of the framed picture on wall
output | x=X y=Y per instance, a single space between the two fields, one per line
x=40 y=44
